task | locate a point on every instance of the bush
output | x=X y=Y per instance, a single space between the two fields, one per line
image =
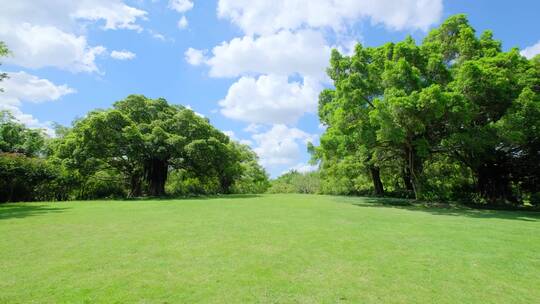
x=181 y=183
x=104 y=184
x=295 y=182
x=22 y=177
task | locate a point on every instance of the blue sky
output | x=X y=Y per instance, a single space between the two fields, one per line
x=254 y=68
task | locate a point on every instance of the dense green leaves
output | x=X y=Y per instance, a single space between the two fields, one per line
x=16 y=138
x=145 y=139
x=296 y=182
x=128 y=150
x=453 y=117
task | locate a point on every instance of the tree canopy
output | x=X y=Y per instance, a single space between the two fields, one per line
x=433 y=119
x=130 y=150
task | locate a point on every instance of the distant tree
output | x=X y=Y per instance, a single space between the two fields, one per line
x=253 y=178
x=296 y=182
x=17 y=138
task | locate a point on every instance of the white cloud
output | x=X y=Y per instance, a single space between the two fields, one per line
x=181 y=6
x=253 y=128
x=531 y=51
x=64 y=14
x=44 y=33
x=194 y=56
x=156 y=35
x=23 y=87
x=284 y=53
x=116 y=14
x=182 y=23
x=281 y=145
x=35 y=46
x=264 y=17
x=123 y=55
x=281 y=59
x=270 y=99
x=303 y=168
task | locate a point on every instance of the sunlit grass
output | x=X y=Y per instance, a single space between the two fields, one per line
x=266 y=249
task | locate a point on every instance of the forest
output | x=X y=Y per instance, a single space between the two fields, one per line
x=454 y=118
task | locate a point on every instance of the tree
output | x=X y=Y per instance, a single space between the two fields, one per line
x=456 y=98
x=253 y=178
x=146 y=138
x=17 y=138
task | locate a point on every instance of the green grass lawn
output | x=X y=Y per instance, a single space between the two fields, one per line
x=266 y=249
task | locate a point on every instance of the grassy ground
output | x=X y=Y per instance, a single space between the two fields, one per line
x=267 y=249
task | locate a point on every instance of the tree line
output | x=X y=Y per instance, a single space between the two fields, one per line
x=455 y=117
x=139 y=147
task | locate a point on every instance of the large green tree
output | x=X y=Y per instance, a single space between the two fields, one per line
x=145 y=138
x=457 y=98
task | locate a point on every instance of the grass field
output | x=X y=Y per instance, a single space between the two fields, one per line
x=266 y=249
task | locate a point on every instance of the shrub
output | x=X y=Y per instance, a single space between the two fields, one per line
x=21 y=177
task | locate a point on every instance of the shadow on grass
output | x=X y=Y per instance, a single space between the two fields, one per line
x=8 y=211
x=444 y=209
x=195 y=197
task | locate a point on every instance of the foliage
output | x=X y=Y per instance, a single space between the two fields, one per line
x=127 y=151
x=441 y=120
x=16 y=138
x=254 y=178
x=296 y=182
x=22 y=178
x=144 y=140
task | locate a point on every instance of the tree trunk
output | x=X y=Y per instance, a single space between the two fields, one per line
x=493 y=183
x=376 y=178
x=135 y=185
x=407 y=179
x=414 y=170
x=156 y=175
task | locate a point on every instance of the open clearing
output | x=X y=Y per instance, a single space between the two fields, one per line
x=266 y=249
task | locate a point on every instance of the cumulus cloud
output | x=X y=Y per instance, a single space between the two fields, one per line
x=285 y=53
x=47 y=33
x=281 y=145
x=36 y=46
x=64 y=14
x=531 y=51
x=23 y=87
x=182 y=23
x=279 y=62
x=194 y=56
x=264 y=17
x=302 y=168
x=123 y=55
x=181 y=6
x=270 y=99
x=115 y=14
